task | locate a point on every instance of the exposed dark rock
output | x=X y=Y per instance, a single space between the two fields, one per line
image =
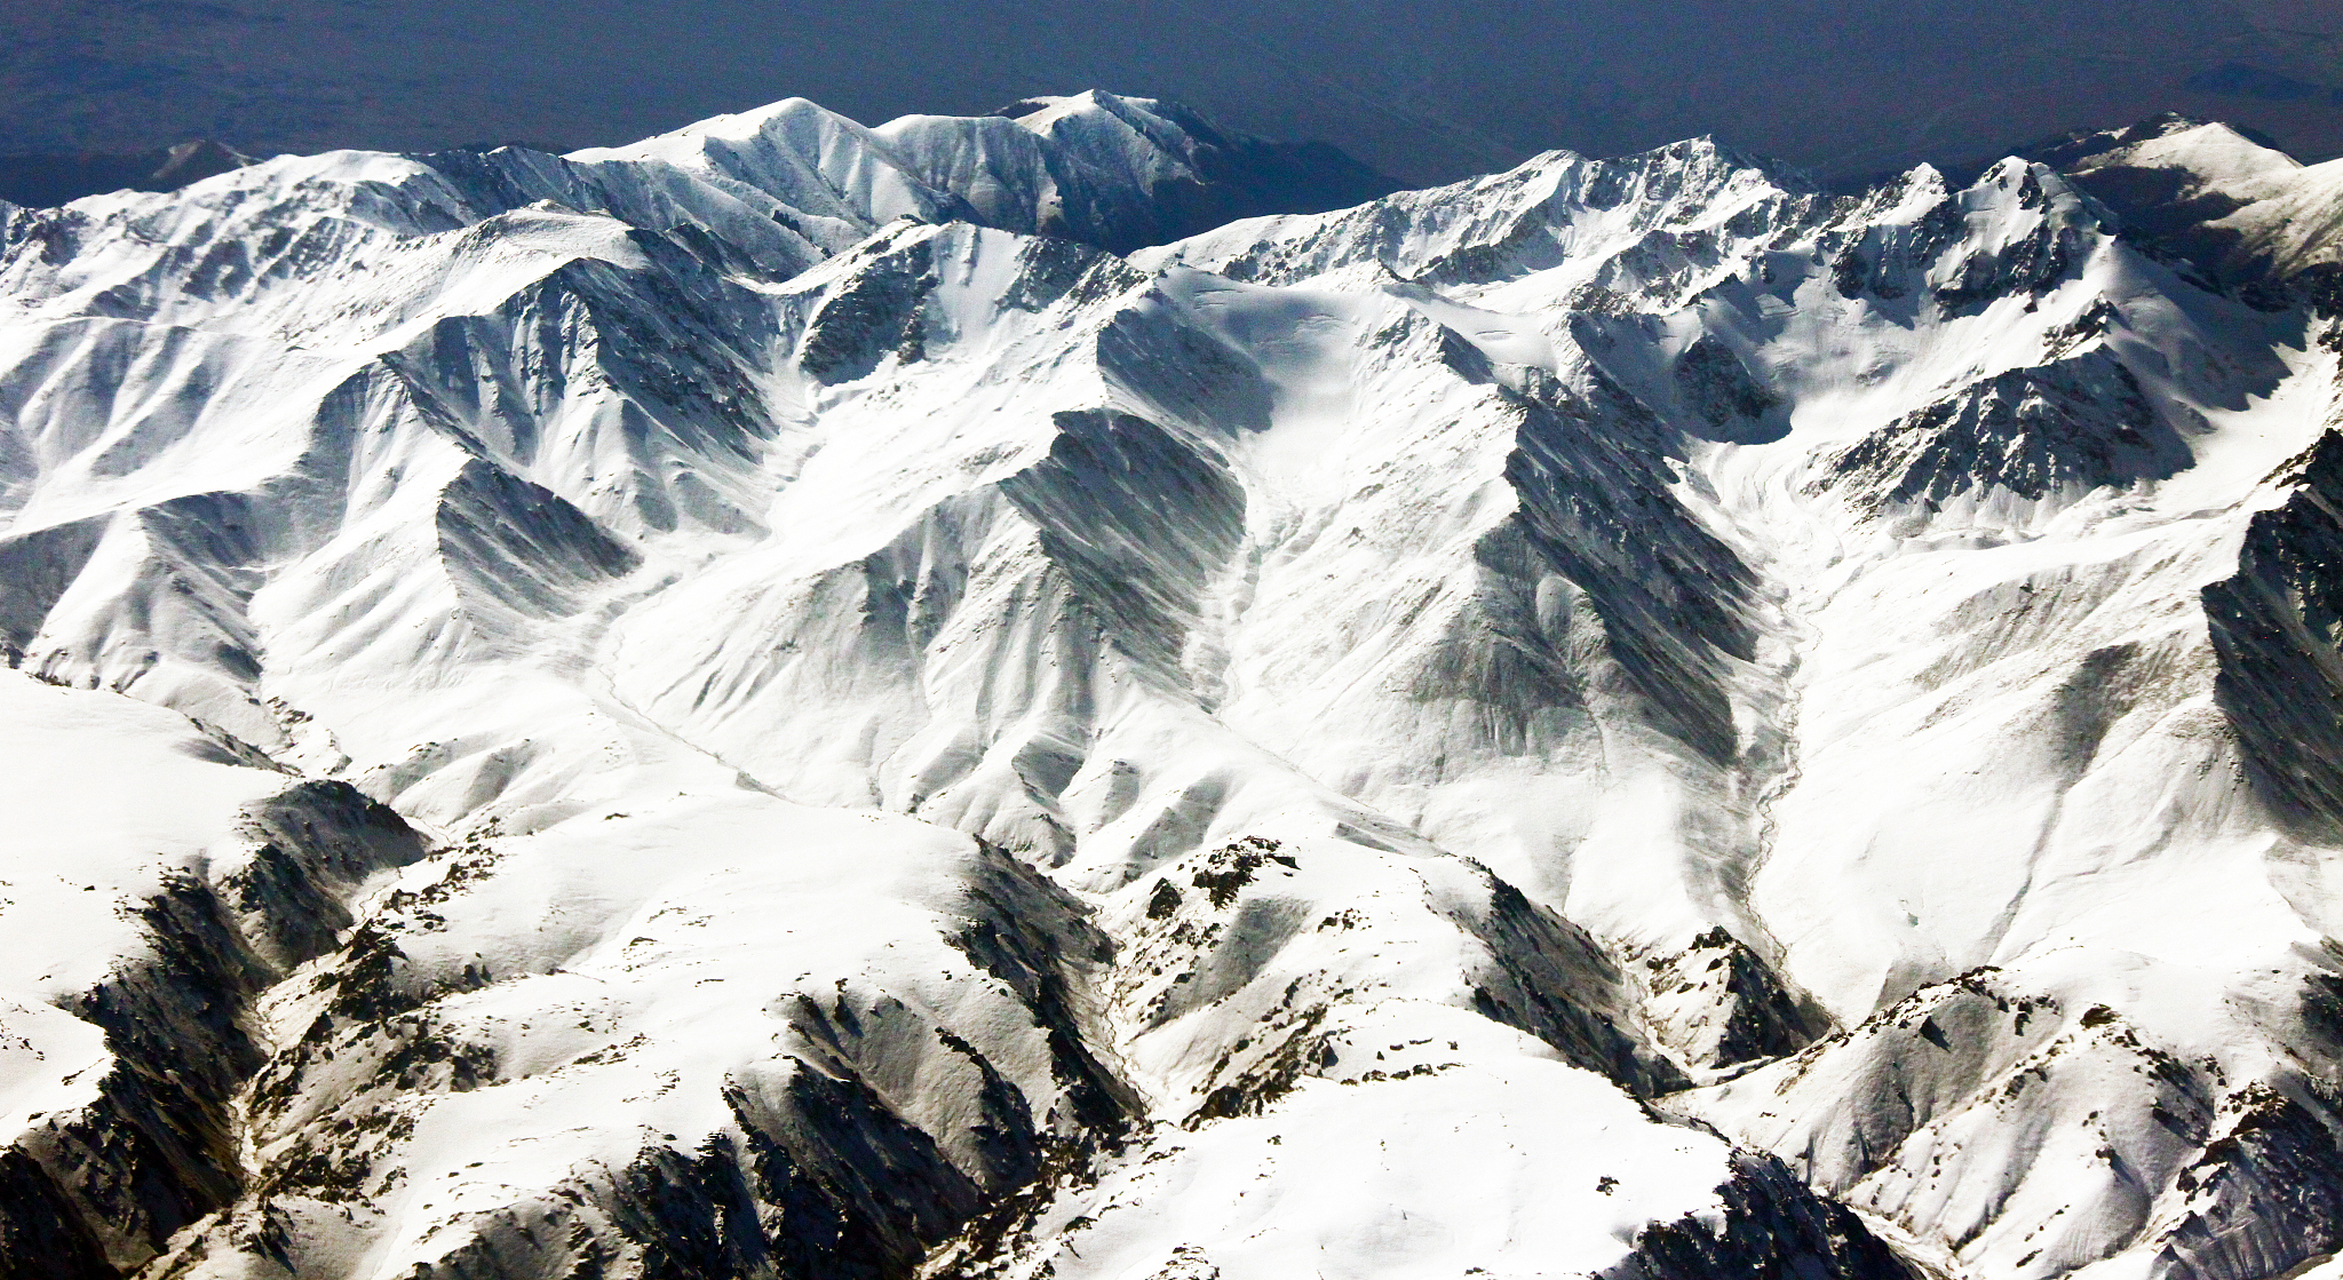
x=2031 y=265
x=1720 y=388
x=510 y=544
x=826 y=1183
x=2264 y=1197
x=2080 y=423
x=319 y=841
x=1772 y=1226
x=101 y=1190
x=1039 y=939
x=1598 y=508
x=2277 y=627
x=1553 y=980
x=1718 y=1005
x=877 y=312
x=1055 y=270
x=1231 y=867
x=1137 y=519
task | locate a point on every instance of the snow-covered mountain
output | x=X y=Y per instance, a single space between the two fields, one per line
x=789 y=701
x=2252 y=217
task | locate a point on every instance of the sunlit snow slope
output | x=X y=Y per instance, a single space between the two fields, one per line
x=787 y=701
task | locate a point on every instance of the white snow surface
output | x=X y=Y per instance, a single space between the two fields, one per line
x=2282 y=211
x=818 y=617
x=77 y=869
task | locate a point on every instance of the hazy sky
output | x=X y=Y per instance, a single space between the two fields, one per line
x=1424 y=90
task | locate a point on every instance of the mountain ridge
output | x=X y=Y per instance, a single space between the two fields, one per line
x=1636 y=716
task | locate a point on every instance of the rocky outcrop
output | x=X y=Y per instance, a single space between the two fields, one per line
x=2277 y=625
x=2080 y=424
x=99 y=1190
x=1771 y=1224
x=1718 y=1006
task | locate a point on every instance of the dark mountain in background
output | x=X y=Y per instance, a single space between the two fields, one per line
x=1229 y=176
x=42 y=180
x=1427 y=91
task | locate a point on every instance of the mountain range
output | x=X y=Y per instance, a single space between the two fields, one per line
x=1069 y=694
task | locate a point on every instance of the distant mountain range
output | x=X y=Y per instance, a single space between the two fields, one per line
x=1072 y=694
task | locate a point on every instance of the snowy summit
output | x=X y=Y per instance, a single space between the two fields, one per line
x=1070 y=694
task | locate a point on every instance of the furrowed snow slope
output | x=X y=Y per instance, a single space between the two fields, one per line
x=953 y=748
x=158 y=879
x=2248 y=214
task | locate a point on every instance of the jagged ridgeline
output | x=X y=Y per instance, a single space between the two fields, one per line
x=1071 y=694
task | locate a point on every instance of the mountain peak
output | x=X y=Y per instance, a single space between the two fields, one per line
x=1114 y=171
x=2223 y=199
x=751 y=705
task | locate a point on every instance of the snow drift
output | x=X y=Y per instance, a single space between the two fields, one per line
x=799 y=699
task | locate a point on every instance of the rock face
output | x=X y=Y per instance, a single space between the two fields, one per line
x=788 y=701
x=203 y=880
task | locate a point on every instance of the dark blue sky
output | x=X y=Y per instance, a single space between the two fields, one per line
x=1425 y=90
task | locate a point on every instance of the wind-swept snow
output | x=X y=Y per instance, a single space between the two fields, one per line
x=1630 y=717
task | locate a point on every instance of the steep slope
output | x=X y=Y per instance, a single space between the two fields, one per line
x=1110 y=171
x=158 y=879
x=952 y=748
x=2252 y=216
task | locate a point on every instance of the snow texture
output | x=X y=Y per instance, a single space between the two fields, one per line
x=791 y=700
